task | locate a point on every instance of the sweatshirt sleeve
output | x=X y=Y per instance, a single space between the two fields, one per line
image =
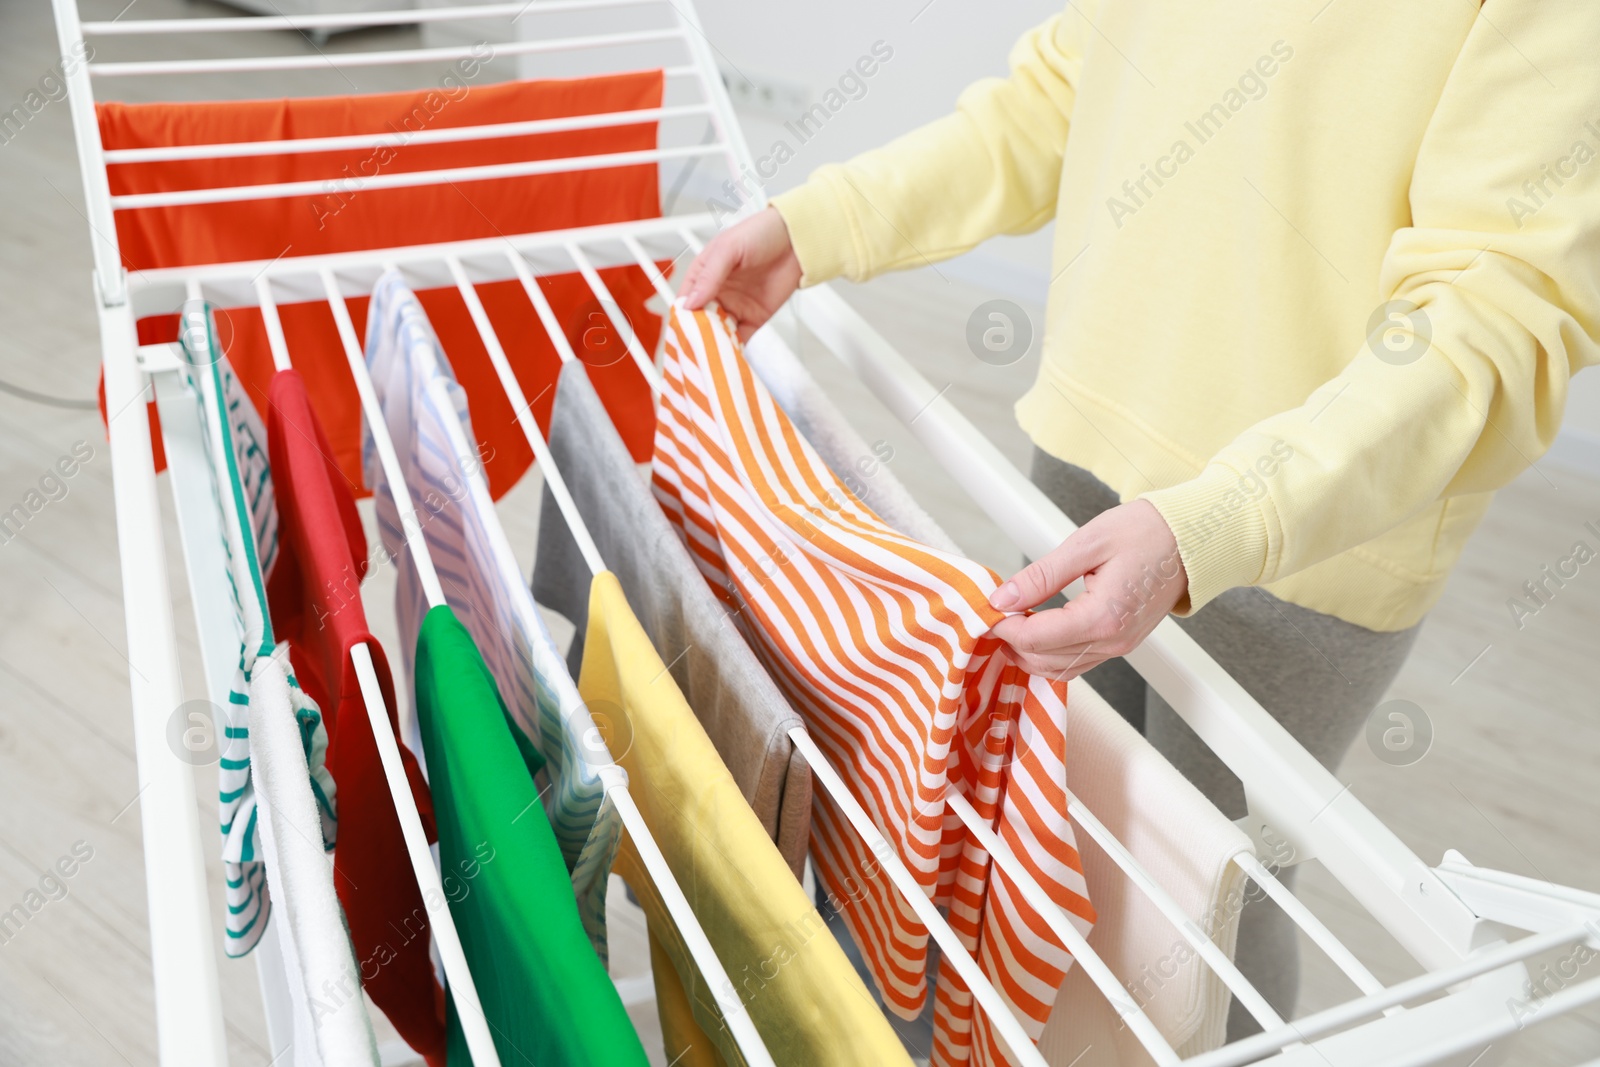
x=991 y=167
x=1492 y=304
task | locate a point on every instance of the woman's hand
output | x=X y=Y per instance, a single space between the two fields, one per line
x=750 y=269
x=1132 y=576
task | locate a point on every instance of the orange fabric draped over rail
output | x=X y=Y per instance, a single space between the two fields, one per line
x=346 y=215
x=883 y=645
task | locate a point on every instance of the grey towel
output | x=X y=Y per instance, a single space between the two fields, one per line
x=743 y=713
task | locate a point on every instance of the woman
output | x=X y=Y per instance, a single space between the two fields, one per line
x=1323 y=271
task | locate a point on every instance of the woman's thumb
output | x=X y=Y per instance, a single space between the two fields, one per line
x=1046 y=576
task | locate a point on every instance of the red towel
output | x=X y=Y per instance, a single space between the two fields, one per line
x=315 y=598
x=350 y=217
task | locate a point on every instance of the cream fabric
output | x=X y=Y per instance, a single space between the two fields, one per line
x=1188 y=846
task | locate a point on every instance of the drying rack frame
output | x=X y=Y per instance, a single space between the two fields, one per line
x=1455 y=919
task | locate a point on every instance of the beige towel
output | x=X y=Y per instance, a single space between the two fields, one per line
x=1186 y=844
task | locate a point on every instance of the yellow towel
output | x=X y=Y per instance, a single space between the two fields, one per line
x=807 y=1002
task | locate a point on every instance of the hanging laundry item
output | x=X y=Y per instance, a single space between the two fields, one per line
x=883 y=645
x=743 y=713
x=341 y=211
x=1172 y=830
x=1150 y=807
x=331 y=1024
x=236 y=442
x=788 y=972
x=545 y=994
x=315 y=590
x=426 y=413
x=865 y=470
x=861 y=467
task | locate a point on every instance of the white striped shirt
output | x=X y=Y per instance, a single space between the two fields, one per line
x=883 y=646
x=248 y=509
x=426 y=412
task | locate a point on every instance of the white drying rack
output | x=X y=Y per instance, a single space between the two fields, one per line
x=1455 y=919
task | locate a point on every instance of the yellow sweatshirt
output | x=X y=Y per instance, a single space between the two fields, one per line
x=1323 y=268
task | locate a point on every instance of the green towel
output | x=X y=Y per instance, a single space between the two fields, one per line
x=548 y=999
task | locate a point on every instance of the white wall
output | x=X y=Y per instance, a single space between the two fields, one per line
x=938 y=48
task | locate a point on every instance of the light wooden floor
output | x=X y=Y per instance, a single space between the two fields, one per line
x=1510 y=780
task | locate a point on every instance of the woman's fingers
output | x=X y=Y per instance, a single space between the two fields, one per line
x=750 y=268
x=709 y=270
x=1048 y=575
x=1133 y=577
x=1059 y=631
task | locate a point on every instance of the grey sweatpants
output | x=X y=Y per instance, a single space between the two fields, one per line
x=1317 y=675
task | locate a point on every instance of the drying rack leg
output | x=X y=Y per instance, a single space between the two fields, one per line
x=189 y=1027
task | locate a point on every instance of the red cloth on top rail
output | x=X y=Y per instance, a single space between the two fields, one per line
x=348 y=216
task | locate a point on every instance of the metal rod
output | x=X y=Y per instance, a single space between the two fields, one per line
x=1303 y=917
x=445 y=938
x=110 y=278
x=319 y=60
x=274 y=325
x=400 y=138
x=188 y=1005
x=1215 y=958
x=1578 y=898
x=716 y=977
x=723 y=119
x=541 y=306
x=646 y=264
x=347 y=20
x=393 y=472
x=1006 y=1025
x=1250 y=1049
x=227 y=194
x=243 y=272
x=1127 y=1009
x=525 y=418
x=619 y=321
x=1500 y=1025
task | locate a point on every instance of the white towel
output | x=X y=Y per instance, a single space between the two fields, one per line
x=331 y=1025
x=1187 y=845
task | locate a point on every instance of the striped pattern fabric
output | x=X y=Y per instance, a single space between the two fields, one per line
x=245 y=501
x=426 y=412
x=882 y=644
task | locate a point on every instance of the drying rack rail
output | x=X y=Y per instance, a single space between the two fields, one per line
x=1460 y=922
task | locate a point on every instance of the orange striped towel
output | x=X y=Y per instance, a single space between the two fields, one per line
x=882 y=645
